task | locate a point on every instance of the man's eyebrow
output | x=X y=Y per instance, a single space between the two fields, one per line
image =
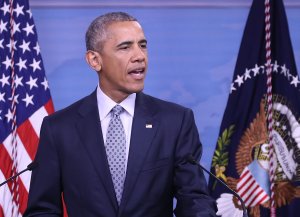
x=143 y=41
x=131 y=42
x=125 y=43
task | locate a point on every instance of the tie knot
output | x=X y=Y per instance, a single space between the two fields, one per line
x=117 y=110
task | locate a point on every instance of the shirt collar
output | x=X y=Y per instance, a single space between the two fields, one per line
x=105 y=104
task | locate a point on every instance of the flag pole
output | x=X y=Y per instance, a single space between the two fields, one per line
x=270 y=106
x=13 y=108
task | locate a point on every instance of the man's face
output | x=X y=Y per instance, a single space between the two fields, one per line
x=124 y=60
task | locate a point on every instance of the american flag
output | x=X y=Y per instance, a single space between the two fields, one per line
x=251 y=190
x=24 y=101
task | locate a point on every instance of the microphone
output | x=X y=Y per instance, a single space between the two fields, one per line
x=191 y=160
x=30 y=167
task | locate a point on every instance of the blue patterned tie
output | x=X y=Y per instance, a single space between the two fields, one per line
x=116 y=150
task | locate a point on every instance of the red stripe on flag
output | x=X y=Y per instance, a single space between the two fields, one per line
x=1 y=212
x=64 y=206
x=5 y=162
x=254 y=198
x=28 y=137
x=49 y=107
x=5 y=167
x=245 y=182
x=244 y=174
x=23 y=196
x=246 y=190
x=251 y=193
x=259 y=202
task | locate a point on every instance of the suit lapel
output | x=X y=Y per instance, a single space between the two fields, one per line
x=89 y=130
x=144 y=127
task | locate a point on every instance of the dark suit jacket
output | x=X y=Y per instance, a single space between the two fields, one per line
x=71 y=159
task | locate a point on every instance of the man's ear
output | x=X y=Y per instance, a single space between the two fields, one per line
x=93 y=58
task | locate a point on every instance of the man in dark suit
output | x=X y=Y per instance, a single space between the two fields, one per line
x=119 y=152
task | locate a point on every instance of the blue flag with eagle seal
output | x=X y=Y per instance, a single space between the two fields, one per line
x=241 y=155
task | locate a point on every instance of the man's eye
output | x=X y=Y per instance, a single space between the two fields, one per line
x=124 y=48
x=143 y=45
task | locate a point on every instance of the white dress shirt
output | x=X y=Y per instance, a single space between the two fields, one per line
x=105 y=105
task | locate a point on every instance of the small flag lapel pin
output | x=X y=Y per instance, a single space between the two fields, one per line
x=149 y=126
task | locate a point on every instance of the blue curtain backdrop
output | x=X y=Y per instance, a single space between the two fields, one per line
x=193 y=47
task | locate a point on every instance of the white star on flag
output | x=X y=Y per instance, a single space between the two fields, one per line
x=9 y=45
x=16 y=27
x=25 y=46
x=1 y=43
x=232 y=88
x=37 y=48
x=15 y=98
x=35 y=65
x=2 y=97
x=7 y=62
x=9 y=116
x=21 y=64
x=19 y=10
x=284 y=69
x=45 y=83
x=239 y=80
x=28 y=99
x=18 y=81
x=256 y=70
x=28 y=29
x=29 y=12
x=4 y=80
x=247 y=74
x=275 y=67
x=295 y=81
x=3 y=26
x=5 y=8
x=32 y=82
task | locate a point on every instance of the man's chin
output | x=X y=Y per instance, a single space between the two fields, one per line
x=136 y=89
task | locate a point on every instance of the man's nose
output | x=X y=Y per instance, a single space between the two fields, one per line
x=139 y=54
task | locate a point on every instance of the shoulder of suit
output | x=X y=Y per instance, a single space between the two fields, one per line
x=165 y=105
x=72 y=109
